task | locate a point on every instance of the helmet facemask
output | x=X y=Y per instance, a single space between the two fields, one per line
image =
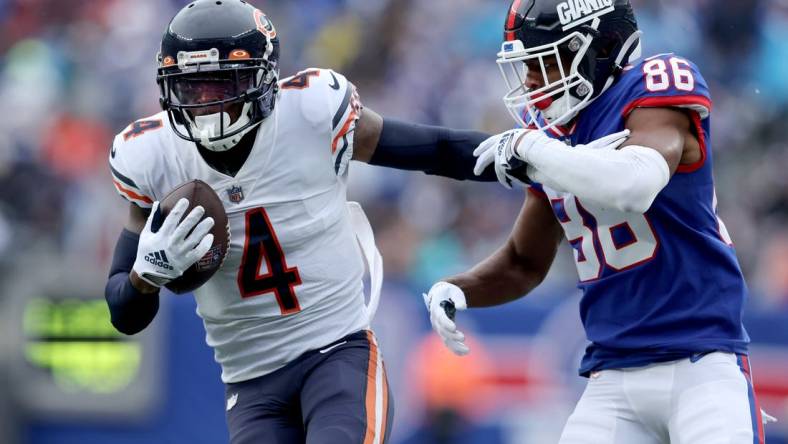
x=216 y=102
x=559 y=99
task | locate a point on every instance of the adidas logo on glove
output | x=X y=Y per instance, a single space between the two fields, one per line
x=158 y=259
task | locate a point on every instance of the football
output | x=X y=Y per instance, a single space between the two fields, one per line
x=200 y=193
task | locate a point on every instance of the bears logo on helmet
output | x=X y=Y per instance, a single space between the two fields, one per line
x=264 y=24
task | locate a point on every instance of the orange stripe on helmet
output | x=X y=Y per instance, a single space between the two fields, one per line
x=239 y=54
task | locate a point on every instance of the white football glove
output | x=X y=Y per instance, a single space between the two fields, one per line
x=500 y=149
x=442 y=301
x=165 y=254
x=509 y=150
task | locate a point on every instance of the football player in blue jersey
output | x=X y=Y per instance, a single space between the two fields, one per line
x=616 y=154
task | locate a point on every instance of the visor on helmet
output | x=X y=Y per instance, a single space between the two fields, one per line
x=211 y=102
x=205 y=89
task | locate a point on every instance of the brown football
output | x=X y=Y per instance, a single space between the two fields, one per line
x=200 y=193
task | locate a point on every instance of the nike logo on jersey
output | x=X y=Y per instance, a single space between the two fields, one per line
x=573 y=13
x=328 y=349
x=335 y=83
x=158 y=259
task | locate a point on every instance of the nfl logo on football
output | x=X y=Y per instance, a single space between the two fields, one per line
x=236 y=194
x=210 y=258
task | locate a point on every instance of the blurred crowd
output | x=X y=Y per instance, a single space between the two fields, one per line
x=75 y=72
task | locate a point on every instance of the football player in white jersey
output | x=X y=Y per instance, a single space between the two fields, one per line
x=286 y=313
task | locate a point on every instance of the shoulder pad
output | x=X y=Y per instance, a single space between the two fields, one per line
x=330 y=103
x=133 y=156
x=323 y=95
x=665 y=80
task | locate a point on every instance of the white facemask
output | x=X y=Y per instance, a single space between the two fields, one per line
x=209 y=127
x=554 y=102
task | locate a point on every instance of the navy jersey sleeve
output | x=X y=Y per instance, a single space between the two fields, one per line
x=666 y=81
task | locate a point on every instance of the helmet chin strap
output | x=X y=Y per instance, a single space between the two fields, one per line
x=630 y=51
x=208 y=127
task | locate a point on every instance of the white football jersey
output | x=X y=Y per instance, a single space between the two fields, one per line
x=292 y=280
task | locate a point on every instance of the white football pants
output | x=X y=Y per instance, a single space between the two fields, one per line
x=710 y=401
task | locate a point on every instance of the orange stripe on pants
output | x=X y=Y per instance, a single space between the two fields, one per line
x=372 y=370
x=385 y=413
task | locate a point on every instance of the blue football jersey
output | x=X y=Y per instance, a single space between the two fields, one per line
x=666 y=284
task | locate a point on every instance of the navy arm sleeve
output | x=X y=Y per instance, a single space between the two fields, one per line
x=130 y=310
x=432 y=149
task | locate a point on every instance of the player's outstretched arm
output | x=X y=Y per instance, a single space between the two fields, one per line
x=510 y=273
x=628 y=178
x=408 y=146
x=625 y=171
x=520 y=264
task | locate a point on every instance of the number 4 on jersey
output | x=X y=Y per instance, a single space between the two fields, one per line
x=141 y=127
x=261 y=244
x=300 y=80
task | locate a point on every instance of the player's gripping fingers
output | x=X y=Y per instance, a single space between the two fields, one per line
x=453 y=335
x=485 y=155
x=611 y=141
x=483 y=161
x=200 y=250
x=447 y=330
x=199 y=232
x=434 y=323
x=501 y=169
x=442 y=320
x=458 y=348
x=446 y=326
x=188 y=223
x=485 y=146
x=154 y=210
x=173 y=219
